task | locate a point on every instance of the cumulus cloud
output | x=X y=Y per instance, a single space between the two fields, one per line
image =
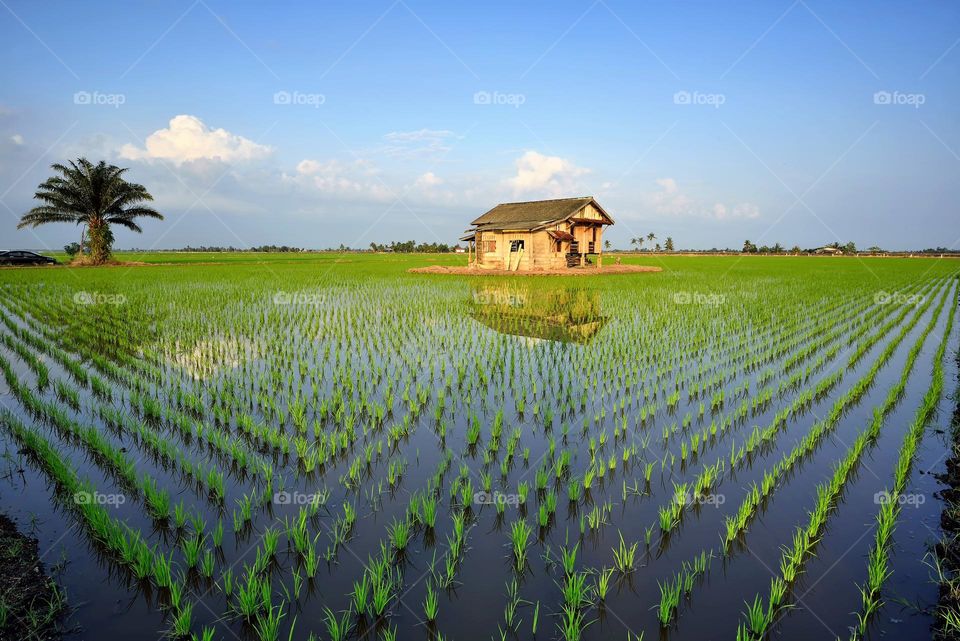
x=670 y=200
x=16 y=139
x=545 y=175
x=428 y=180
x=334 y=177
x=187 y=138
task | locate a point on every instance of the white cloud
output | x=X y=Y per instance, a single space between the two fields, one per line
x=333 y=177
x=545 y=175
x=16 y=139
x=746 y=210
x=428 y=180
x=670 y=200
x=307 y=167
x=187 y=138
x=420 y=143
x=420 y=134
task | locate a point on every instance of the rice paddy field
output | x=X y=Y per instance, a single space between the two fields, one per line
x=326 y=446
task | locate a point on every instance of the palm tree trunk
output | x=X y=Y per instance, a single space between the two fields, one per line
x=101 y=242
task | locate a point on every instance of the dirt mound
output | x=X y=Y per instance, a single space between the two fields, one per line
x=86 y=262
x=574 y=271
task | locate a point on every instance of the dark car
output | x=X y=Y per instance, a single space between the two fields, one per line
x=19 y=257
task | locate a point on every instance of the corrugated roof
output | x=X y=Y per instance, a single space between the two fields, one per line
x=530 y=214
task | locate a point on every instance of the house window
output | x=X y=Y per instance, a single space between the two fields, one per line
x=516 y=245
x=490 y=246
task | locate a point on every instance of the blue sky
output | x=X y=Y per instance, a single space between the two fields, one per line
x=315 y=124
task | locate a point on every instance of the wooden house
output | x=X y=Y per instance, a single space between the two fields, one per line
x=538 y=234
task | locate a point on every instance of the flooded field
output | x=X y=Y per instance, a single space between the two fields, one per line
x=333 y=448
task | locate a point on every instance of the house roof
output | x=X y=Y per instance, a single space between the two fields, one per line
x=534 y=213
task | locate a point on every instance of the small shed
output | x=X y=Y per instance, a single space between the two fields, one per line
x=538 y=234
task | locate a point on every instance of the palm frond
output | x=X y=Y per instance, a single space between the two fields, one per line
x=85 y=193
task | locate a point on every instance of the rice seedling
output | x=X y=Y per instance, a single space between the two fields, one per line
x=233 y=401
x=519 y=536
x=669 y=600
x=431 y=604
x=624 y=556
x=338 y=629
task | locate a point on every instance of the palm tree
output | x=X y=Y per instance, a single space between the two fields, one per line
x=651 y=237
x=93 y=195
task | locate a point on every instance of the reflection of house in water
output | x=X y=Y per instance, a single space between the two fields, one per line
x=204 y=359
x=556 y=314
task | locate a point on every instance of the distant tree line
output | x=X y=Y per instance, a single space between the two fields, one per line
x=650 y=238
x=849 y=248
x=411 y=246
x=273 y=249
x=408 y=246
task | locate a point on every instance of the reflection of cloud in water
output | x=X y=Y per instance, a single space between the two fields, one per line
x=206 y=358
x=568 y=315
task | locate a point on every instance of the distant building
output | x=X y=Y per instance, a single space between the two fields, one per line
x=459 y=250
x=538 y=234
x=828 y=250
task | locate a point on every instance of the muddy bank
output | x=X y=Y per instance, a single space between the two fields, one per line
x=31 y=603
x=948 y=548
